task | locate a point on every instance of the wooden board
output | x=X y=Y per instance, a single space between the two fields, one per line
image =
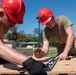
x=64 y=67
x=61 y=67
x=9 y=68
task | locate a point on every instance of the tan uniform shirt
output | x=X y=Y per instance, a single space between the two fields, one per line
x=58 y=32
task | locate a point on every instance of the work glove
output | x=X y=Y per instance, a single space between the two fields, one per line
x=34 y=67
x=3 y=61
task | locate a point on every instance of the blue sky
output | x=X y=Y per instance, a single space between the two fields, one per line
x=59 y=7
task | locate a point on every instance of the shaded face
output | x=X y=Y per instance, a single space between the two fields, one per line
x=6 y=21
x=51 y=23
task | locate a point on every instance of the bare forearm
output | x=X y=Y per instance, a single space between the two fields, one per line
x=69 y=43
x=12 y=55
x=45 y=47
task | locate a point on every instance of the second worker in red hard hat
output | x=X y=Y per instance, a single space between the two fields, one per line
x=60 y=29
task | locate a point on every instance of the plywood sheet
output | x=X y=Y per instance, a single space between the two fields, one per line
x=9 y=68
x=61 y=67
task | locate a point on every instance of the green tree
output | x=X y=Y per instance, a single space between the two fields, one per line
x=38 y=35
x=30 y=38
x=12 y=34
x=21 y=36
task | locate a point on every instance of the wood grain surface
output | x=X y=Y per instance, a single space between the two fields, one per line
x=61 y=67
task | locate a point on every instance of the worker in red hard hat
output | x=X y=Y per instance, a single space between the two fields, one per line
x=59 y=28
x=12 y=13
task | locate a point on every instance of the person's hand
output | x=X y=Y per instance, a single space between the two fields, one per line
x=34 y=67
x=38 y=53
x=62 y=56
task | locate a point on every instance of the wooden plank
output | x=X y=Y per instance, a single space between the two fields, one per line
x=10 y=69
x=64 y=67
x=61 y=67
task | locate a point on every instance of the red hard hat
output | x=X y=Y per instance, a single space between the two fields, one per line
x=15 y=9
x=45 y=15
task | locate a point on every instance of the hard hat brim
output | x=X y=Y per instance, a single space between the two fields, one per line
x=14 y=19
x=45 y=22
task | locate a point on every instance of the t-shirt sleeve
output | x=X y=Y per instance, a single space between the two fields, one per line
x=66 y=22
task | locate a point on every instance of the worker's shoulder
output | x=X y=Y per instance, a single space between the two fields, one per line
x=59 y=17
